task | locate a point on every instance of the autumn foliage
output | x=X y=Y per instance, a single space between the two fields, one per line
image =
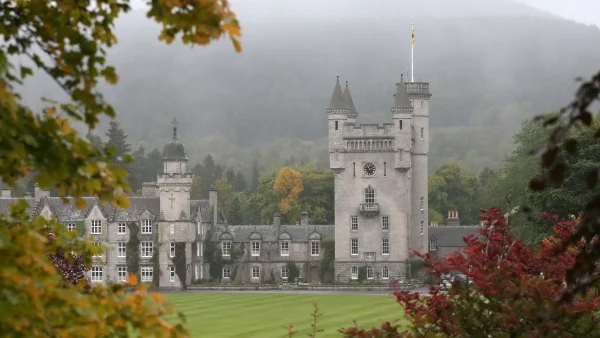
x=288 y=186
x=513 y=290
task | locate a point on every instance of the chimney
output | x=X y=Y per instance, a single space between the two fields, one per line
x=149 y=189
x=214 y=205
x=276 y=219
x=6 y=192
x=304 y=218
x=39 y=193
x=453 y=219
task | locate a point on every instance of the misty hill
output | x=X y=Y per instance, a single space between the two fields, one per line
x=490 y=63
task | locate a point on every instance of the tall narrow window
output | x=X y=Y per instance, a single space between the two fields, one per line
x=354 y=223
x=285 y=272
x=171 y=274
x=370 y=272
x=422 y=134
x=315 y=248
x=385 y=223
x=385 y=246
x=255 y=272
x=354 y=169
x=422 y=228
x=198 y=249
x=369 y=195
x=400 y=124
x=384 y=168
x=422 y=203
x=284 y=248
x=255 y=248
x=385 y=272
x=354 y=272
x=121 y=249
x=172 y=249
x=226 y=249
x=336 y=125
x=354 y=246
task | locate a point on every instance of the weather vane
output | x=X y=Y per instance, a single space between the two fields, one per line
x=175 y=123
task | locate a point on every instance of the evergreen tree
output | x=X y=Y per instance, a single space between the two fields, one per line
x=154 y=165
x=95 y=139
x=207 y=175
x=117 y=140
x=255 y=179
x=230 y=176
x=218 y=174
x=235 y=212
x=136 y=176
x=239 y=184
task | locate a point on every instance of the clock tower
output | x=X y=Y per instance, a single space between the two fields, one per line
x=378 y=217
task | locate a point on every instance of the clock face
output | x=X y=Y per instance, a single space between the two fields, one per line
x=369 y=169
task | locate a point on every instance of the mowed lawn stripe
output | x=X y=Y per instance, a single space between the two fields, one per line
x=264 y=315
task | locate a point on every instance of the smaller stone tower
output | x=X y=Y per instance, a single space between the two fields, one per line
x=175 y=182
x=337 y=115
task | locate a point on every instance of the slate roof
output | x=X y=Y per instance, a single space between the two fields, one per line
x=137 y=205
x=203 y=208
x=452 y=236
x=348 y=100
x=401 y=97
x=337 y=98
x=271 y=233
x=5 y=203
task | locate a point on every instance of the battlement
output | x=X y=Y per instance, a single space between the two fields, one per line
x=175 y=175
x=418 y=89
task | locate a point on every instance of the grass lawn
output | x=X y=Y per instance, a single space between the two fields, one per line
x=263 y=315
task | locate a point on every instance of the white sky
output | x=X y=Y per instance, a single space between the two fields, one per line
x=584 y=11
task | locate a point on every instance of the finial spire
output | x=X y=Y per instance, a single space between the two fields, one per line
x=338 y=78
x=175 y=123
x=402 y=78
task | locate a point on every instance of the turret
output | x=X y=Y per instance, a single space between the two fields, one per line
x=352 y=112
x=337 y=116
x=175 y=182
x=402 y=120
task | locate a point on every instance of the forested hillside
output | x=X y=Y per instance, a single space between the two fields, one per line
x=491 y=64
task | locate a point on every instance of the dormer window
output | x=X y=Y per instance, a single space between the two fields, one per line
x=146 y=226
x=369 y=195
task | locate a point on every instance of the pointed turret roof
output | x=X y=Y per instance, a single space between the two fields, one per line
x=349 y=102
x=337 y=98
x=401 y=97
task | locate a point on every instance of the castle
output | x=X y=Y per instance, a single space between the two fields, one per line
x=380 y=213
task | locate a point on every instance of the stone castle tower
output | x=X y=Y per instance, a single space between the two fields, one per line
x=380 y=183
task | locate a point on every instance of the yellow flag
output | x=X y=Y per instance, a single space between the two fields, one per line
x=413 y=35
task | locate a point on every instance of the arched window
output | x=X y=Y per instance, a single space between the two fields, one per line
x=369 y=195
x=354 y=272
x=370 y=272
x=385 y=272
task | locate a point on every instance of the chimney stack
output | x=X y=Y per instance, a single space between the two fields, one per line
x=453 y=219
x=304 y=218
x=6 y=192
x=276 y=219
x=39 y=193
x=149 y=189
x=214 y=205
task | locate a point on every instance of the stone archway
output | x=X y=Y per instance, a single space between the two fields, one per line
x=315 y=274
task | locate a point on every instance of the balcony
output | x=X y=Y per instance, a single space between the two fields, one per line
x=369 y=208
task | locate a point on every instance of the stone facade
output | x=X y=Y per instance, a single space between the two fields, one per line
x=380 y=183
x=380 y=213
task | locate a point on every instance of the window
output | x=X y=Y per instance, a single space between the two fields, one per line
x=315 y=248
x=385 y=272
x=370 y=272
x=198 y=249
x=146 y=226
x=96 y=274
x=354 y=272
x=172 y=229
x=285 y=272
x=353 y=222
x=369 y=195
x=422 y=227
x=121 y=273
x=255 y=248
x=226 y=248
x=171 y=273
x=198 y=227
x=96 y=227
x=226 y=272
x=354 y=246
x=336 y=125
x=196 y=271
x=121 y=249
x=147 y=274
x=70 y=226
x=385 y=246
x=147 y=249
x=422 y=204
x=422 y=105
x=255 y=272
x=384 y=169
x=171 y=249
x=385 y=222
x=121 y=228
x=99 y=254
x=422 y=133
x=400 y=124
x=432 y=245
x=354 y=169
x=285 y=248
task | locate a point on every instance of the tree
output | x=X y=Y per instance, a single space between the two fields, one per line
x=317 y=196
x=451 y=188
x=230 y=176
x=207 y=173
x=255 y=178
x=236 y=209
x=288 y=186
x=68 y=41
x=117 y=145
x=509 y=289
x=239 y=184
x=95 y=139
x=223 y=188
x=195 y=191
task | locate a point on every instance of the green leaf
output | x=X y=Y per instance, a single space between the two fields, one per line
x=25 y=71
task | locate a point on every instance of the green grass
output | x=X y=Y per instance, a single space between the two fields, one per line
x=224 y=315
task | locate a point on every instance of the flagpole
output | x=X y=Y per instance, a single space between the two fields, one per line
x=412 y=55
